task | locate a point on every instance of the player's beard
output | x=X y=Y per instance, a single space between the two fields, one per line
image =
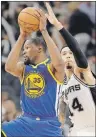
x=28 y=61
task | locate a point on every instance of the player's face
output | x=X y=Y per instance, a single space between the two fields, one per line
x=68 y=58
x=30 y=52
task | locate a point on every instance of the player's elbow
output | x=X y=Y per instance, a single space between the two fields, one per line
x=7 y=67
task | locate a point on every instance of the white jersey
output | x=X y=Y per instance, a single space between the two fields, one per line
x=81 y=102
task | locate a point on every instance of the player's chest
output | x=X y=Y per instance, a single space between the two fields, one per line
x=73 y=89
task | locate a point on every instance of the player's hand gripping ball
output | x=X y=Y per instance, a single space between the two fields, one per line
x=29 y=19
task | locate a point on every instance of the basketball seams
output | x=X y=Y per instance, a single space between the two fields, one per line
x=27 y=23
x=28 y=29
x=38 y=12
x=35 y=16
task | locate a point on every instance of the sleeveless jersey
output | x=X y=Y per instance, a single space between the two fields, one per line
x=39 y=91
x=79 y=96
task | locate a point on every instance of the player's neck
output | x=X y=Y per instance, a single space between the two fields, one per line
x=40 y=59
x=68 y=73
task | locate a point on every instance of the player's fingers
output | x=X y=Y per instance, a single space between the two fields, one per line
x=42 y=13
x=38 y=12
x=43 y=19
x=49 y=8
x=47 y=16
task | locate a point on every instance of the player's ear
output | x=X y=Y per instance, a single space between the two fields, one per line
x=40 y=49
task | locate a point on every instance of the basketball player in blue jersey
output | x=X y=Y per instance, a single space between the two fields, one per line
x=79 y=89
x=40 y=80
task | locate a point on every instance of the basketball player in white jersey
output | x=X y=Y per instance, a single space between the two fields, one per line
x=79 y=90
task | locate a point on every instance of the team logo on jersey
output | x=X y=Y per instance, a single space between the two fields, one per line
x=34 y=84
x=72 y=89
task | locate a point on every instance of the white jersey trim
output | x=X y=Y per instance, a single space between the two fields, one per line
x=57 y=99
x=84 y=84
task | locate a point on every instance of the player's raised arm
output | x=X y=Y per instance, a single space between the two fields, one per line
x=81 y=61
x=69 y=39
x=12 y=65
x=56 y=60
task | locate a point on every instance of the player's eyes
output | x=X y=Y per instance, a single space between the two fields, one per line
x=64 y=53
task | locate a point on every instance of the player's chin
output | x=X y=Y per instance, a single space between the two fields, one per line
x=26 y=61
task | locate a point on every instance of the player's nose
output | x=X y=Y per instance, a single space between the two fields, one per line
x=68 y=57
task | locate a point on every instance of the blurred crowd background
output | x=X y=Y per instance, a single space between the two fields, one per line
x=77 y=17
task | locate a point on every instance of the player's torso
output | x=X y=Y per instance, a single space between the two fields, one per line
x=78 y=96
x=39 y=91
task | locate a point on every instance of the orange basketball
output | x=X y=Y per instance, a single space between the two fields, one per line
x=28 y=19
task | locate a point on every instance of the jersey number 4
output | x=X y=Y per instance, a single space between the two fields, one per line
x=76 y=105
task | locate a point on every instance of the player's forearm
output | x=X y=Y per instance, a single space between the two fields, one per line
x=73 y=45
x=53 y=49
x=14 y=54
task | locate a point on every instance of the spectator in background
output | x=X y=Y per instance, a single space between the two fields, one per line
x=60 y=8
x=12 y=82
x=10 y=103
x=91 y=46
x=7 y=106
x=10 y=110
x=91 y=51
x=4 y=98
x=3 y=112
x=92 y=60
x=3 y=118
x=80 y=22
x=89 y=9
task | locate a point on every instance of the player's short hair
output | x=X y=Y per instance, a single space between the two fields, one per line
x=62 y=48
x=38 y=41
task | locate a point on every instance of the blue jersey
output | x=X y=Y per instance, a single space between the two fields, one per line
x=39 y=91
x=39 y=102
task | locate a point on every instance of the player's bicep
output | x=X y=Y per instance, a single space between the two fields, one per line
x=18 y=70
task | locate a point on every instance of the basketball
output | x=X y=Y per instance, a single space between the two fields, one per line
x=28 y=19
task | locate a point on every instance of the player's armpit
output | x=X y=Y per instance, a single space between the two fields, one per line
x=86 y=75
x=58 y=73
x=18 y=70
